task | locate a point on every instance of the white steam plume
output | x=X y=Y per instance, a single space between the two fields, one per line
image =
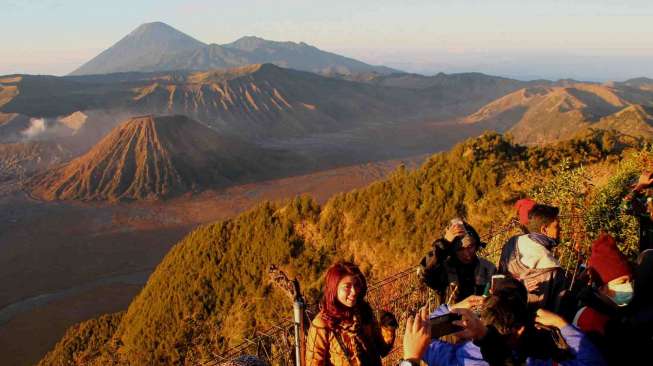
x=36 y=127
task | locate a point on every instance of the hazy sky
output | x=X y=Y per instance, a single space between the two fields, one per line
x=584 y=39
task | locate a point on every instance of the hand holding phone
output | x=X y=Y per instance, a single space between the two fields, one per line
x=416 y=336
x=549 y=319
x=470 y=302
x=444 y=324
x=473 y=327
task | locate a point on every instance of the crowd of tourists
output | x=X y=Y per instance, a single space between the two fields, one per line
x=525 y=310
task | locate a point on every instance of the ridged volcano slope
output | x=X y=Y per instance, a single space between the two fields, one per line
x=254 y=101
x=266 y=100
x=147 y=158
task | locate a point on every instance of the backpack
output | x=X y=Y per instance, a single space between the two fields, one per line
x=546 y=286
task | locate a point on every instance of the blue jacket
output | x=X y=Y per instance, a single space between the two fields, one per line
x=468 y=354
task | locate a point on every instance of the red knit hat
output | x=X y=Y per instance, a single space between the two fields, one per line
x=523 y=207
x=607 y=260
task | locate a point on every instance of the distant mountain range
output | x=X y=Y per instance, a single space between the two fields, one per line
x=264 y=101
x=239 y=92
x=254 y=104
x=258 y=101
x=544 y=114
x=160 y=47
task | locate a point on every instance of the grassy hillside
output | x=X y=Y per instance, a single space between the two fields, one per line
x=210 y=291
x=83 y=342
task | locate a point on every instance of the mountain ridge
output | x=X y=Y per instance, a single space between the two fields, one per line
x=159 y=47
x=255 y=101
x=135 y=51
x=544 y=114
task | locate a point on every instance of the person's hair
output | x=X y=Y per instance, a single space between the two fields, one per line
x=507 y=308
x=334 y=311
x=541 y=215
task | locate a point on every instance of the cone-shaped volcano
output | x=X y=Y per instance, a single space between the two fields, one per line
x=148 y=158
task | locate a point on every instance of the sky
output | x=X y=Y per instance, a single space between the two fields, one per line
x=595 y=40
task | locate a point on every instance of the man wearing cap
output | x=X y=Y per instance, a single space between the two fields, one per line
x=452 y=268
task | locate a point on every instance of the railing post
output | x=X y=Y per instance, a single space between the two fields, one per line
x=298 y=319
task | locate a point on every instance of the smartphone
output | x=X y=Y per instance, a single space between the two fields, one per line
x=443 y=325
x=495 y=281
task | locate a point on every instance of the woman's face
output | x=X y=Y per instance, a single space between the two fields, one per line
x=466 y=255
x=348 y=289
x=620 y=290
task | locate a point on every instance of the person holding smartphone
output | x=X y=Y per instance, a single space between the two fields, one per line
x=452 y=267
x=505 y=333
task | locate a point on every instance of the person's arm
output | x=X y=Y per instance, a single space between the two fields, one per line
x=418 y=344
x=506 y=253
x=432 y=265
x=416 y=337
x=432 y=271
x=644 y=181
x=487 y=344
x=584 y=352
x=444 y=353
x=634 y=203
x=440 y=353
